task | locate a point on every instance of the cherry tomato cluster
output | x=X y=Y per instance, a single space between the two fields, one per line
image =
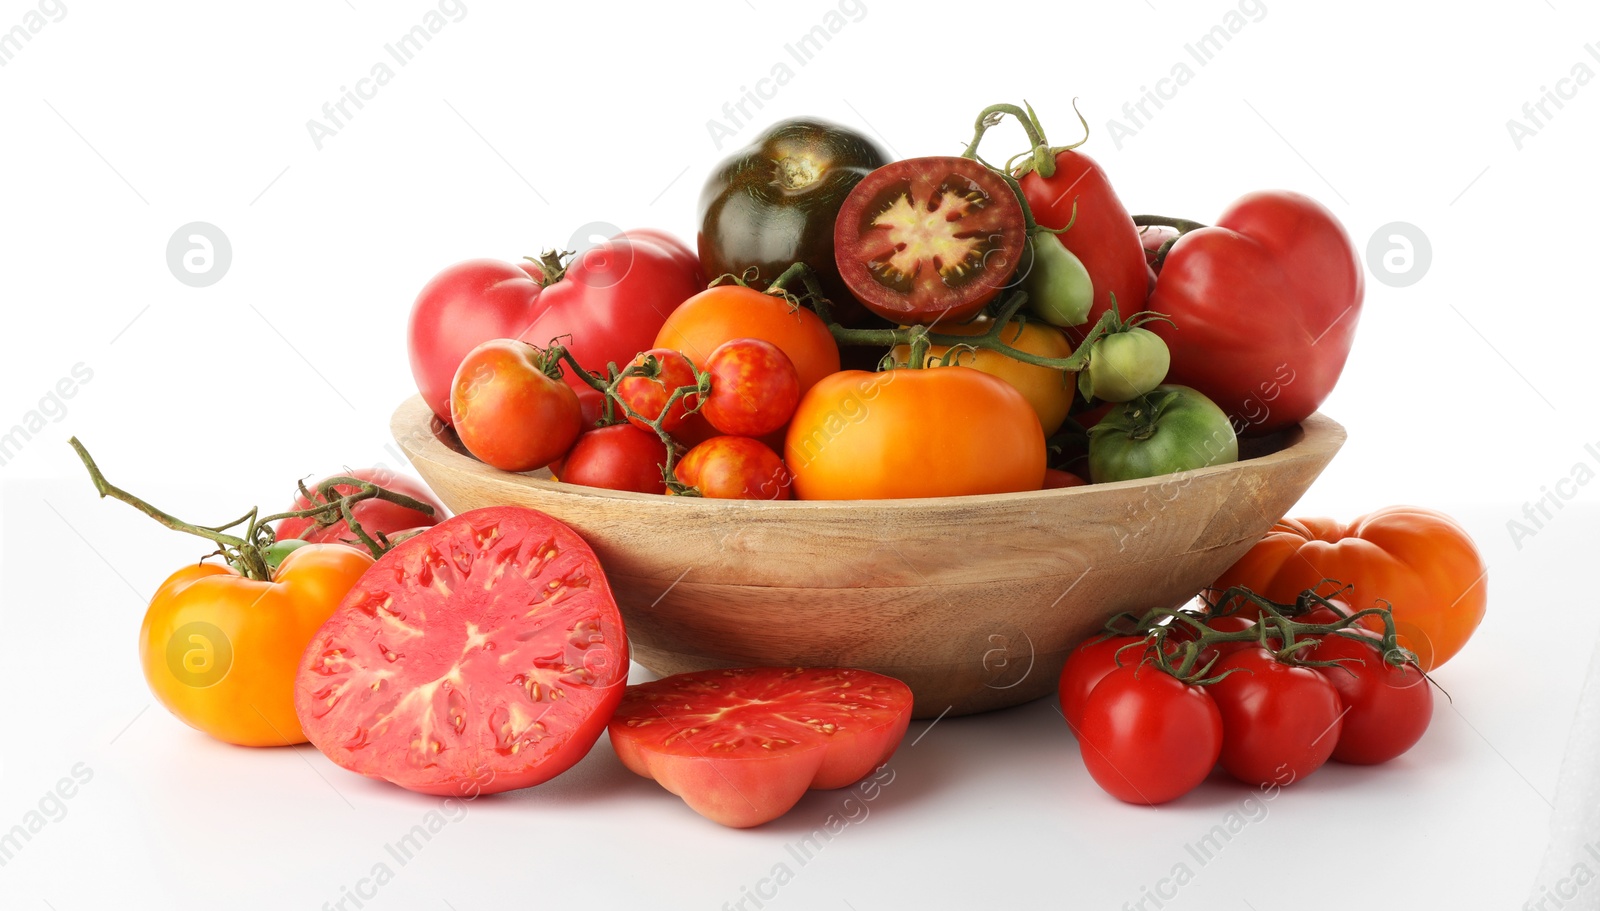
x=1269 y=691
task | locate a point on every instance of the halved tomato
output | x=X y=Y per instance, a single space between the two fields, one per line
x=483 y=655
x=742 y=746
x=929 y=239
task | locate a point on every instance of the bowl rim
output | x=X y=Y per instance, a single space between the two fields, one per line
x=417 y=431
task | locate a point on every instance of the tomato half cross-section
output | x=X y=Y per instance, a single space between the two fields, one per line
x=481 y=656
x=742 y=746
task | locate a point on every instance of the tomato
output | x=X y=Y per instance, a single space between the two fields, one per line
x=1055 y=478
x=1153 y=238
x=774 y=203
x=1419 y=563
x=727 y=312
x=932 y=432
x=1147 y=737
x=754 y=387
x=481 y=656
x=608 y=304
x=742 y=746
x=649 y=393
x=1089 y=663
x=1059 y=288
x=1265 y=305
x=508 y=411
x=275 y=552
x=1388 y=707
x=1048 y=391
x=1233 y=623
x=929 y=239
x=374 y=516
x=1280 y=723
x=735 y=468
x=1125 y=365
x=1172 y=429
x=220 y=650
x=619 y=457
x=1103 y=237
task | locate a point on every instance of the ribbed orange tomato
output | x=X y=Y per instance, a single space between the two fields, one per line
x=1419 y=561
x=220 y=650
x=908 y=432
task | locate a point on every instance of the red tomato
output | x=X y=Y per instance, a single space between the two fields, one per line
x=860 y=435
x=1280 y=723
x=1147 y=737
x=610 y=302
x=742 y=746
x=1055 y=478
x=374 y=516
x=735 y=468
x=1265 y=306
x=1103 y=237
x=508 y=411
x=648 y=395
x=1388 y=707
x=754 y=388
x=929 y=239
x=1421 y=563
x=619 y=457
x=727 y=312
x=482 y=656
x=1088 y=664
x=1233 y=623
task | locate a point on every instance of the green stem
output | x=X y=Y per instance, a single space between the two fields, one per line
x=1183 y=225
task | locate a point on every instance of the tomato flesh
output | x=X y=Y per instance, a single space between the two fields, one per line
x=929 y=238
x=742 y=746
x=481 y=656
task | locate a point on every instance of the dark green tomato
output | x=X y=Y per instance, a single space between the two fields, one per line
x=774 y=204
x=1172 y=429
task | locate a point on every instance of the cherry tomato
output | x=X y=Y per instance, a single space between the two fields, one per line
x=754 y=387
x=1055 y=478
x=220 y=650
x=1125 y=365
x=373 y=516
x=648 y=395
x=735 y=468
x=931 y=432
x=619 y=457
x=1048 y=391
x=1088 y=664
x=741 y=747
x=1147 y=737
x=508 y=411
x=608 y=303
x=1280 y=723
x=1388 y=706
x=483 y=655
x=727 y=312
x=1232 y=623
x=929 y=239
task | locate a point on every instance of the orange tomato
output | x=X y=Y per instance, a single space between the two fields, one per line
x=1048 y=391
x=727 y=312
x=1419 y=561
x=931 y=432
x=220 y=650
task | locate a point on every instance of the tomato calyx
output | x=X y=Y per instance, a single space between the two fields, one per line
x=1183 y=642
x=552 y=266
x=256 y=552
x=1040 y=156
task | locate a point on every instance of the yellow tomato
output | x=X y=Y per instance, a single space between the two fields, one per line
x=220 y=650
x=1048 y=391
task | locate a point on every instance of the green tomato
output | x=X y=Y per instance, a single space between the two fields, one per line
x=1059 y=289
x=275 y=552
x=1125 y=365
x=1172 y=429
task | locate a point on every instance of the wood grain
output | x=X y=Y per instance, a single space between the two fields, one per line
x=972 y=601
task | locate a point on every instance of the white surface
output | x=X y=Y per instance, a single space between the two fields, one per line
x=1468 y=391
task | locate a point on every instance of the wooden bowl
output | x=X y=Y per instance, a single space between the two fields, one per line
x=974 y=602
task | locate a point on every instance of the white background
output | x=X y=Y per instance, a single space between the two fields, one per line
x=1469 y=391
